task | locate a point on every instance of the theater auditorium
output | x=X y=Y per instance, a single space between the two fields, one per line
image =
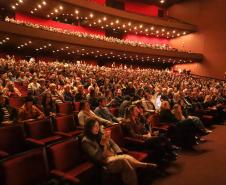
x=112 y=92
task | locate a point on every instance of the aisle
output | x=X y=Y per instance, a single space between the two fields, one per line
x=206 y=166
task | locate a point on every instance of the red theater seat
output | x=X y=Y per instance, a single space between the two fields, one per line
x=67 y=161
x=12 y=140
x=155 y=123
x=16 y=102
x=114 y=111
x=117 y=136
x=65 y=108
x=66 y=126
x=28 y=168
x=41 y=132
x=76 y=106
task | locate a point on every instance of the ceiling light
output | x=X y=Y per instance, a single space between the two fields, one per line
x=91 y=15
x=13 y=7
x=76 y=11
x=39 y=6
x=56 y=10
x=61 y=7
x=105 y=18
x=117 y=21
x=21 y=1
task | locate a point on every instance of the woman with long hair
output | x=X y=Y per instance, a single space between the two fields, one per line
x=103 y=150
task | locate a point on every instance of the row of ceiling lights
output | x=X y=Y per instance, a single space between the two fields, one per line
x=104 y=23
x=4 y=40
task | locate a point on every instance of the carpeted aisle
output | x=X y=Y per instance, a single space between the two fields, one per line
x=205 y=166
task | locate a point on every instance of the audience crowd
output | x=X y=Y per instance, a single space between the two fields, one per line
x=137 y=94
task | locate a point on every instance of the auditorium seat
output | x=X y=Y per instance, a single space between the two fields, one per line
x=16 y=102
x=67 y=161
x=76 y=106
x=66 y=126
x=28 y=168
x=12 y=140
x=41 y=132
x=157 y=125
x=65 y=108
x=123 y=142
x=114 y=111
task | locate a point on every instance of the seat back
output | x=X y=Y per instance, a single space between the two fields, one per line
x=65 y=108
x=12 y=139
x=27 y=168
x=39 y=129
x=76 y=106
x=65 y=123
x=155 y=120
x=114 y=111
x=16 y=102
x=64 y=155
x=117 y=134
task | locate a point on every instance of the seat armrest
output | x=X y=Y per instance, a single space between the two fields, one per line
x=65 y=176
x=35 y=141
x=80 y=127
x=3 y=154
x=62 y=134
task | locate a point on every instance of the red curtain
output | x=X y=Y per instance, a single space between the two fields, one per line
x=46 y=22
x=140 y=8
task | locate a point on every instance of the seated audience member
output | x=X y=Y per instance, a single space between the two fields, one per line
x=34 y=86
x=165 y=113
x=56 y=96
x=124 y=105
x=48 y=106
x=80 y=95
x=160 y=145
x=7 y=113
x=104 y=113
x=29 y=111
x=178 y=113
x=67 y=94
x=11 y=91
x=104 y=151
x=147 y=103
x=130 y=90
x=92 y=98
x=86 y=113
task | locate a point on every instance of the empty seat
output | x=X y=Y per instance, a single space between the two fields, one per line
x=65 y=108
x=66 y=126
x=41 y=132
x=16 y=102
x=28 y=168
x=67 y=161
x=12 y=140
x=76 y=106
